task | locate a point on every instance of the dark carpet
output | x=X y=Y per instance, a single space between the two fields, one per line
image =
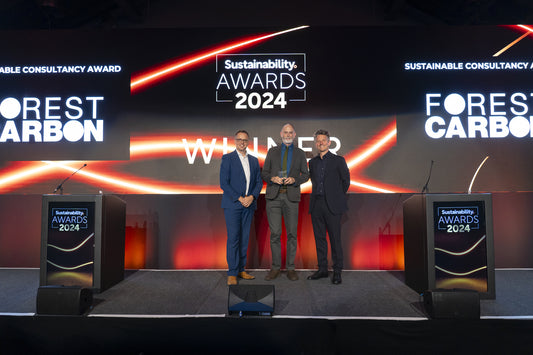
x=184 y=312
x=365 y=294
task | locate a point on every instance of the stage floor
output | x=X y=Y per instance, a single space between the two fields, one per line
x=176 y=293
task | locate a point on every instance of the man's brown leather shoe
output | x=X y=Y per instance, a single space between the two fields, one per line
x=292 y=275
x=272 y=274
x=232 y=280
x=246 y=276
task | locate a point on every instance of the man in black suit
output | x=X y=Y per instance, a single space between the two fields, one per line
x=330 y=177
x=285 y=169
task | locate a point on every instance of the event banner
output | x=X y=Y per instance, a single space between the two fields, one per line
x=460 y=245
x=152 y=111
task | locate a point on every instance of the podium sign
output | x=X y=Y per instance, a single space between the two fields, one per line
x=70 y=246
x=448 y=243
x=82 y=241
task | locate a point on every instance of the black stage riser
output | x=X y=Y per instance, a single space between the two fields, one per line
x=96 y=335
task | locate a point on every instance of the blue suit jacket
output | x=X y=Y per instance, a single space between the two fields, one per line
x=233 y=180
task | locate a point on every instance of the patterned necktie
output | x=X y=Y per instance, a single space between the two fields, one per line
x=284 y=162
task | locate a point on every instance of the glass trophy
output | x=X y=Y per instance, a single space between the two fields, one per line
x=282 y=174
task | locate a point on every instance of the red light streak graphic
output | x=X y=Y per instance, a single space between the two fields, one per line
x=104 y=174
x=155 y=75
x=135 y=185
x=527 y=28
x=366 y=155
x=374 y=147
x=529 y=31
x=21 y=174
x=159 y=146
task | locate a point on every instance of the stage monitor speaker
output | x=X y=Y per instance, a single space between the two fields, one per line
x=452 y=303
x=63 y=300
x=255 y=300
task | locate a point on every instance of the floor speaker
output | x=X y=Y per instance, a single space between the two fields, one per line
x=251 y=300
x=453 y=303
x=63 y=300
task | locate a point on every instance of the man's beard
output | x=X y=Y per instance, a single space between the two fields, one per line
x=287 y=141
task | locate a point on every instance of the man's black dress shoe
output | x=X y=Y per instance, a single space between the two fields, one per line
x=336 y=278
x=320 y=274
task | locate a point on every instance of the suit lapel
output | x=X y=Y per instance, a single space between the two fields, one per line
x=251 y=169
x=237 y=161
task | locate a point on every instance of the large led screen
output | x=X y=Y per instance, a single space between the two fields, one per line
x=152 y=111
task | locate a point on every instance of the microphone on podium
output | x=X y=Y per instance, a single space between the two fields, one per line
x=60 y=186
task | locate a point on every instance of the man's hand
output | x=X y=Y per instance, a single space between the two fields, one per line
x=289 y=181
x=283 y=181
x=246 y=201
x=277 y=180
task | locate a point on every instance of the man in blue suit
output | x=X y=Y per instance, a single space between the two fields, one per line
x=240 y=180
x=330 y=177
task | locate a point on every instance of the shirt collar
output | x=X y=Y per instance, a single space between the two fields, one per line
x=328 y=154
x=284 y=146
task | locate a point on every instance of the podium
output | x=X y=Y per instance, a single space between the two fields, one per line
x=82 y=241
x=449 y=243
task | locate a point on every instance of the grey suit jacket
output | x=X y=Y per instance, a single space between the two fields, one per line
x=298 y=171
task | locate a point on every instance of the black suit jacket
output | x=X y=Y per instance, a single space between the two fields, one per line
x=336 y=182
x=298 y=171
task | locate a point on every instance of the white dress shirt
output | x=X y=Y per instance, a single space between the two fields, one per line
x=246 y=167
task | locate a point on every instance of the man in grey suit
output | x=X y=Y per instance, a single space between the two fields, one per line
x=285 y=169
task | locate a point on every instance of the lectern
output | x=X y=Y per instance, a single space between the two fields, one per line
x=82 y=241
x=448 y=242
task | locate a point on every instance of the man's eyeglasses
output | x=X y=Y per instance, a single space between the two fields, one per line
x=241 y=140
